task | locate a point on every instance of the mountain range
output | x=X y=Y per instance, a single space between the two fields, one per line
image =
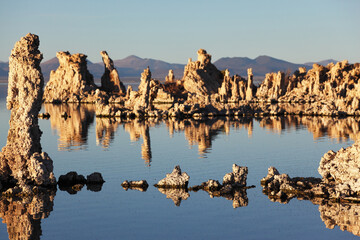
x=133 y=66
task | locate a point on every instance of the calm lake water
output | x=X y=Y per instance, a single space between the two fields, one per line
x=132 y=150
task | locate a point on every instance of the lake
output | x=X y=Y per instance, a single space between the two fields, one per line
x=135 y=150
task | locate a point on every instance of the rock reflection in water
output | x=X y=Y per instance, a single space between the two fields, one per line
x=105 y=131
x=23 y=215
x=72 y=131
x=175 y=194
x=203 y=133
x=238 y=196
x=137 y=129
x=336 y=128
x=344 y=215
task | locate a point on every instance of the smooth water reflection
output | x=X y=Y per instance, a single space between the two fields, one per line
x=346 y=216
x=73 y=131
x=85 y=144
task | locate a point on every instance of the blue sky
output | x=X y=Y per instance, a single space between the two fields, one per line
x=296 y=31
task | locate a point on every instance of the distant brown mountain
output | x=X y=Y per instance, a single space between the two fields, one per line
x=133 y=66
x=260 y=65
x=323 y=62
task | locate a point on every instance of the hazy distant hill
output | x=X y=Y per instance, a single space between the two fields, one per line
x=133 y=66
x=260 y=65
x=323 y=62
x=4 y=68
x=49 y=65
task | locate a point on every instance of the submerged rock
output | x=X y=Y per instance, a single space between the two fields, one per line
x=22 y=157
x=71 y=178
x=140 y=185
x=176 y=179
x=94 y=178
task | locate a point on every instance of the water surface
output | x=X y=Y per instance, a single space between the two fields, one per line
x=134 y=150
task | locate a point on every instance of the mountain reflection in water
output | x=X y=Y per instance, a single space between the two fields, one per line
x=73 y=131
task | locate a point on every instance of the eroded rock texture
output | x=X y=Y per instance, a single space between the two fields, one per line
x=175 y=179
x=340 y=179
x=110 y=80
x=282 y=188
x=342 y=169
x=233 y=187
x=22 y=157
x=141 y=100
x=71 y=82
x=335 y=86
x=236 y=88
x=202 y=77
x=272 y=87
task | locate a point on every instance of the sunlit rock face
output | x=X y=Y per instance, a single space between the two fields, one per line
x=141 y=101
x=272 y=87
x=175 y=179
x=342 y=169
x=23 y=215
x=202 y=77
x=337 y=85
x=22 y=157
x=72 y=81
x=110 y=80
x=236 y=88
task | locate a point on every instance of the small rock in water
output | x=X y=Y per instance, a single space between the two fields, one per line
x=141 y=185
x=176 y=179
x=237 y=178
x=71 y=178
x=94 y=178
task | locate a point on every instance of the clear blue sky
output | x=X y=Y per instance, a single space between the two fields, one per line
x=296 y=31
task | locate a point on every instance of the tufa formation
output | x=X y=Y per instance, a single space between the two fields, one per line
x=22 y=158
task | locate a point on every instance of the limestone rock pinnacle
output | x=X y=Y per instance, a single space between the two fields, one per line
x=22 y=158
